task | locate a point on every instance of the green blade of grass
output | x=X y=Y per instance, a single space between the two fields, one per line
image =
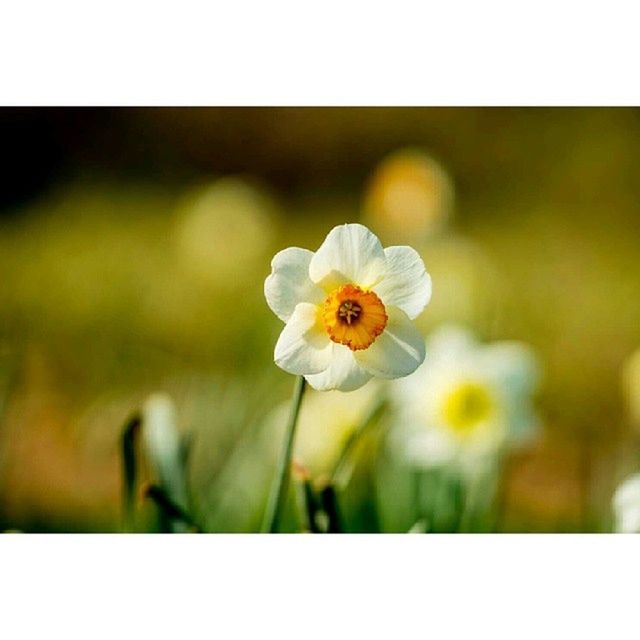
x=130 y=437
x=172 y=511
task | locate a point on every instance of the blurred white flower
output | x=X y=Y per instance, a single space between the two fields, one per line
x=161 y=441
x=467 y=402
x=626 y=505
x=348 y=309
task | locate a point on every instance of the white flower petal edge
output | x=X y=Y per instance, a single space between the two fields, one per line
x=397 y=352
x=451 y=343
x=289 y=282
x=405 y=284
x=514 y=364
x=350 y=253
x=344 y=373
x=303 y=346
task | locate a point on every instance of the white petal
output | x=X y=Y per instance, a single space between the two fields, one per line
x=398 y=351
x=425 y=447
x=303 y=346
x=350 y=253
x=289 y=282
x=513 y=364
x=451 y=343
x=344 y=373
x=406 y=284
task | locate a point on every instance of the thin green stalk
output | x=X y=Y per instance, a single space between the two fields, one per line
x=458 y=492
x=280 y=483
x=499 y=489
x=419 y=509
x=308 y=505
x=341 y=467
x=468 y=515
x=330 y=506
x=484 y=499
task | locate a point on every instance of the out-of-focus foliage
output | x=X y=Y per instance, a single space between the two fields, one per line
x=137 y=266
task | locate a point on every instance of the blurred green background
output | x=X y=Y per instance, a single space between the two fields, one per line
x=134 y=244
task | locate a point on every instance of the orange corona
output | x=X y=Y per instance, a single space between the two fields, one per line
x=354 y=317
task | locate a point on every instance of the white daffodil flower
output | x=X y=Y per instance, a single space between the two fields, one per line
x=348 y=309
x=626 y=505
x=467 y=401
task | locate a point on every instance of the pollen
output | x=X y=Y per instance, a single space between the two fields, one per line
x=354 y=317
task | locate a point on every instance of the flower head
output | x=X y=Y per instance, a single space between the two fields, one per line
x=348 y=309
x=468 y=400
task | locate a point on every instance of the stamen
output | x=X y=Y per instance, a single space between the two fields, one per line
x=349 y=310
x=353 y=316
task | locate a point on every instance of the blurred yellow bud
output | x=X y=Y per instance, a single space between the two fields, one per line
x=409 y=197
x=224 y=230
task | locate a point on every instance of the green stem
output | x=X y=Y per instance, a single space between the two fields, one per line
x=420 y=510
x=339 y=470
x=330 y=506
x=308 y=506
x=279 y=486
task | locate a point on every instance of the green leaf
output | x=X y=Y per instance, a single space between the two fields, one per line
x=173 y=511
x=130 y=437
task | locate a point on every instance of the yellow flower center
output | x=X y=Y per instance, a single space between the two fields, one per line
x=467 y=406
x=354 y=317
